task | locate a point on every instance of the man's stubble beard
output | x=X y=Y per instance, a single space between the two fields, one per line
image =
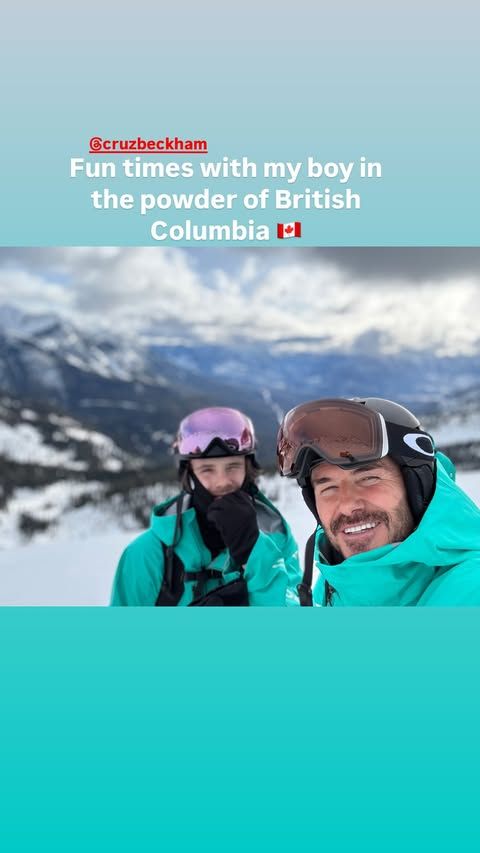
x=399 y=525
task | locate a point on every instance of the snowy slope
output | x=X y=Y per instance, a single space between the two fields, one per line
x=78 y=568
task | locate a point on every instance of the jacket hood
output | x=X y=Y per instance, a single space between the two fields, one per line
x=399 y=574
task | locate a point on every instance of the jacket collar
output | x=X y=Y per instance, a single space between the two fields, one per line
x=399 y=574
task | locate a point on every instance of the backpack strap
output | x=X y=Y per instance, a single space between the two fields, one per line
x=304 y=588
x=329 y=590
x=173 y=581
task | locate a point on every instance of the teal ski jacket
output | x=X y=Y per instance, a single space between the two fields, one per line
x=272 y=570
x=437 y=565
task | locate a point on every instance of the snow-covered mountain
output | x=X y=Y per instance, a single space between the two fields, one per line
x=51 y=464
x=456 y=427
x=136 y=387
x=87 y=417
x=122 y=386
x=133 y=386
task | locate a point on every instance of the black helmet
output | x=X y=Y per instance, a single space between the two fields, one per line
x=352 y=432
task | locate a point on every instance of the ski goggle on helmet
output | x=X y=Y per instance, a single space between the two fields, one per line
x=216 y=431
x=349 y=433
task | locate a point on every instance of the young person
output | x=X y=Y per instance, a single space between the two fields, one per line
x=219 y=542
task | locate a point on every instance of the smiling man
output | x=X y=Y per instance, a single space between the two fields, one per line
x=393 y=528
x=362 y=508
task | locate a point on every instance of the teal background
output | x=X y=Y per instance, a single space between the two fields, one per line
x=262 y=730
x=268 y=81
x=258 y=730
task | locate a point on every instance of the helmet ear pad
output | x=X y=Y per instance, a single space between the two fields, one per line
x=255 y=465
x=309 y=498
x=420 y=485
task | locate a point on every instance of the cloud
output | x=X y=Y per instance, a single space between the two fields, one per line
x=381 y=264
x=267 y=294
x=33 y=292
x=99 y=282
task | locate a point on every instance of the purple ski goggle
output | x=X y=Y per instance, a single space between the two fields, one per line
x=204 y=429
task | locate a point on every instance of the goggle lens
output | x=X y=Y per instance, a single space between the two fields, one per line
x=198 y=430
x=340 y=431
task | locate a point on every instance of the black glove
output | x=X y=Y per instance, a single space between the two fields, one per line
x=235 y=517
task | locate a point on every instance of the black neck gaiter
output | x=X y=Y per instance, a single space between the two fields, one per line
x=201 y=500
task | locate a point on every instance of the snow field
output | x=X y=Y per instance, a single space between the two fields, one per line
x=77 y=569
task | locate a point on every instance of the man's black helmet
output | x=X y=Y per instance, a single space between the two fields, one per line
x=352 y=432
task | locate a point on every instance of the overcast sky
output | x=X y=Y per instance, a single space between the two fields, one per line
x=414 y=296
x=365 y=263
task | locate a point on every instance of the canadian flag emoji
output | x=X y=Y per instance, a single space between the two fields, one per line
x=289 y=229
